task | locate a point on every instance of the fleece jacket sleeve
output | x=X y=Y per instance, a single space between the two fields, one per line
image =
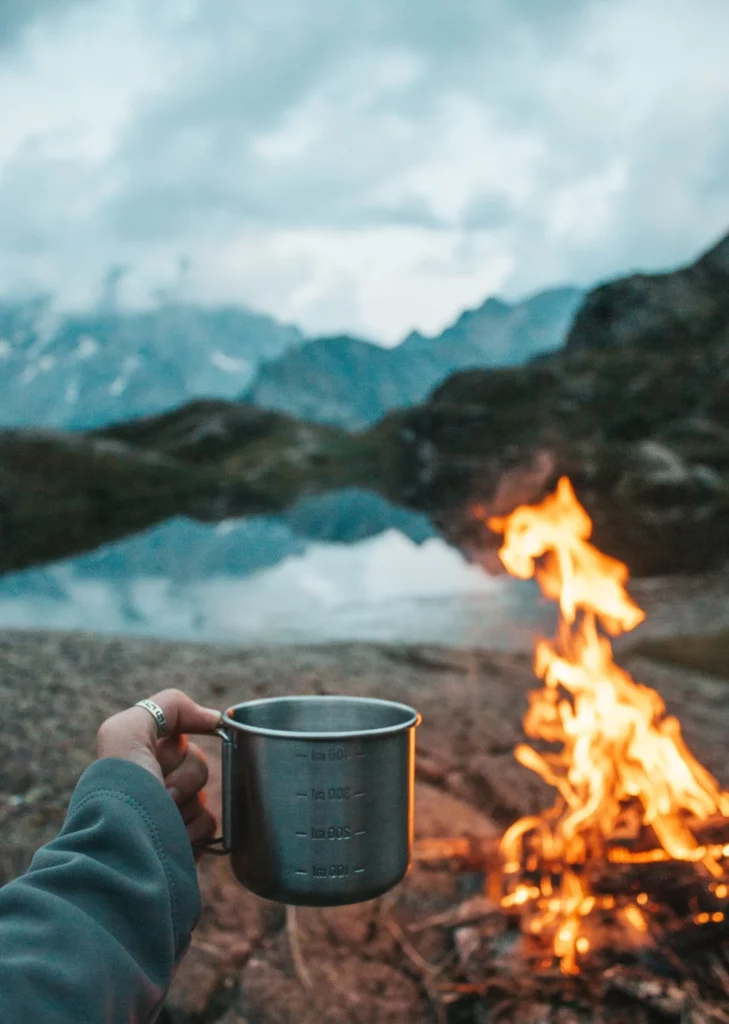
x=94 y=931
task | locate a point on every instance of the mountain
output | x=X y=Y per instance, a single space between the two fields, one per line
x=88 y=370
x=684 y=309
x=634 y=409
x=353 y=383
x=83 y=371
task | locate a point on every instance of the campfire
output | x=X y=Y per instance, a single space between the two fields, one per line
x=628 y=789
x=630 y=864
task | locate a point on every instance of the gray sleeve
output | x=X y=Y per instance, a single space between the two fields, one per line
x=93 y=932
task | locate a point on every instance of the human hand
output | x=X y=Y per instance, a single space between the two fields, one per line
x=178 y=764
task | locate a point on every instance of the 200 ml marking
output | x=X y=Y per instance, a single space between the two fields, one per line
x=332 y=832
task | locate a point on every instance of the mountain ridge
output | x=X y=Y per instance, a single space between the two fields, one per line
x=350 y=382
x=82 y=371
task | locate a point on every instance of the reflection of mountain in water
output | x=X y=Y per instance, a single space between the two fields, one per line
x=345 y=566
x=184 y=551
x=386 y=589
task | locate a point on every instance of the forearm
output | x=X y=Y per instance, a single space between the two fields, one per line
x=93 y=932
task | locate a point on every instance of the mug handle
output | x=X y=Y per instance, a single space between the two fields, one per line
x=220 y=846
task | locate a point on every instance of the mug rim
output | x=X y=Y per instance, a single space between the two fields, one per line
x=414 y=718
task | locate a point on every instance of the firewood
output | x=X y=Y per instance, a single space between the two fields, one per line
x=663 y=995
x=468 y=912
x=466 y=853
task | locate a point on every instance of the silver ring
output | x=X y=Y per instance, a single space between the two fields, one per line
x=157 y=713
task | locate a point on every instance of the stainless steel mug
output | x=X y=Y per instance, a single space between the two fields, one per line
x=317 y=797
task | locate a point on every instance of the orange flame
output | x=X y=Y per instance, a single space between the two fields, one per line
x=621 y=758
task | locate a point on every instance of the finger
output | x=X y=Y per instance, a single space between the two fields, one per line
x=190 y=776
x=183 y=714
x=192 y=807
x=171 y=752
x=202 y=827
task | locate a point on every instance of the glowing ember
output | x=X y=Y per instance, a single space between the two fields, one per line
x=623 y=767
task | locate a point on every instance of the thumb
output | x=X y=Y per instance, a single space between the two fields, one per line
x=132 y=734
x=182 y=714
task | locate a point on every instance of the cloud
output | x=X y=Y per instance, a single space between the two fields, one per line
x=16 y=16
x=365 y=167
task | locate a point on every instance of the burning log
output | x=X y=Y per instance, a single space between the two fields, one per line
x=478 y=853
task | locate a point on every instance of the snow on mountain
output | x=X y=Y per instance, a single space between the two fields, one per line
x=87 y=370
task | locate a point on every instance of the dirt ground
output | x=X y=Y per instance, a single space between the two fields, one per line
x=55 y=689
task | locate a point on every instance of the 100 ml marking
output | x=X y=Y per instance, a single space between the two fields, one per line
x=330 y=871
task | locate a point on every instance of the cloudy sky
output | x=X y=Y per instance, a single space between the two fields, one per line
x=363 y=166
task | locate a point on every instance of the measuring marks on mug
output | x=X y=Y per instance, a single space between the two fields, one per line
x=332 y=809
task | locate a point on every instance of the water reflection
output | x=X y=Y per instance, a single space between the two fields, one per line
x=341 y=567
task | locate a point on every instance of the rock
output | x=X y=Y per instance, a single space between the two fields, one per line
x=439 y=813
x=659 y=310
x=657 y=465
x=346 y=988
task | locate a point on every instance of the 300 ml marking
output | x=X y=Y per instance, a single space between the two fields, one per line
x=333 y=793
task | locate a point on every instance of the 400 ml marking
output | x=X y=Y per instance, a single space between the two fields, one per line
x=332 y=754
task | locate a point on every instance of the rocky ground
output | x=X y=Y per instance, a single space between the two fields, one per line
x=248 y=962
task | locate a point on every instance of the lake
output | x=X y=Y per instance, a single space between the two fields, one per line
x=388 y=588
